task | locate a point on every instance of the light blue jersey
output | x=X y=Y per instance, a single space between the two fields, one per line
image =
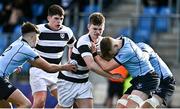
x=15 y=56
x=159 y=66
x=132 y=58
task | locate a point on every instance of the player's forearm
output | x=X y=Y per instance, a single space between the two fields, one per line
x=53 y=68
x=102 y=63
x=69 y=53
x=97 y=69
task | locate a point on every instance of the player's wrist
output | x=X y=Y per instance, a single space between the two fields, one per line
x=62 y=67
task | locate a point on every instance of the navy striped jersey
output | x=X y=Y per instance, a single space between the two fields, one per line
x=132 y=58
x=159 y=65
x=52 y=43
x=80 y=50
x=15 y=56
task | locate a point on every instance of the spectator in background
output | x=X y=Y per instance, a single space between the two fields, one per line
x=115 y=87
x=14 y=13
x=157 y=3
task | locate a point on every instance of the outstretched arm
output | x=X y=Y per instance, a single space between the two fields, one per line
x=51 y=68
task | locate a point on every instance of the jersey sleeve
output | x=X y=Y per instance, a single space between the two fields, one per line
x=31 y=54
x=85 y=50
x=83 y=47
x=72 y=38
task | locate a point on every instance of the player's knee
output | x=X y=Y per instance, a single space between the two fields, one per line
x=138 y=100
x=121 y=103
x=153 y=102
x=39 y=103
x=28 y=104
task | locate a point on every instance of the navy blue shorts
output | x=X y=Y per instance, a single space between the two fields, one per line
x=166 y=89
x=6 y=89
x=146 y=83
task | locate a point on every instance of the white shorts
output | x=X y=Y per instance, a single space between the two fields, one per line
x=68 y=92
x=41 y=80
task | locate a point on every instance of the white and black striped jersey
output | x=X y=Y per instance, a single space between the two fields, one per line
x=51 y=43
x=81 y=49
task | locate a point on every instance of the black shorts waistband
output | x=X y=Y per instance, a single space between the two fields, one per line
x=75 y=80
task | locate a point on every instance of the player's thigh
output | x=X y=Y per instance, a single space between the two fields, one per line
x=67 y=91
x=18 y=98
x=84 y=103
x=146 y=83
x=4 y=104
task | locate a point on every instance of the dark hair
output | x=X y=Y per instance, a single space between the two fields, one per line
x=106 y=47
x=28 y=27
x=55 y=10
x=96 y=18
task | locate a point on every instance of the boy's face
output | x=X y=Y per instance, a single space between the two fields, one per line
x=95 y=31
x=55 y=22
x=35 y=40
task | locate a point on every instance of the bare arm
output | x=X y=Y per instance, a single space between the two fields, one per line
x=51 y=68
x=69 y=53
x=106 y=65
x=93 y=66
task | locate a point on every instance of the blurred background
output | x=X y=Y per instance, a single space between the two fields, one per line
x=155 y=22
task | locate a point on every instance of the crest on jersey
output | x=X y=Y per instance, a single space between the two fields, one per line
x=139 y=86
x=62 y=36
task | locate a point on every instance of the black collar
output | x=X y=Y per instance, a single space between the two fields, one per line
x=24 y=40
x=90 y=38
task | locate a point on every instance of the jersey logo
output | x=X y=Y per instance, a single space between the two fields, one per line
x=139 y=86
x=9 y=86
x=62 y=36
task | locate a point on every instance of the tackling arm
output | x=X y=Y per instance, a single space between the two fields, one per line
x=106 y=65
x=97 y=69
x=51 y=68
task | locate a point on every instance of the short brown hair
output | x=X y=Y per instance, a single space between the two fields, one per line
x=96 y=18
x=55 y=10
x=106 y=47
x=28 y=27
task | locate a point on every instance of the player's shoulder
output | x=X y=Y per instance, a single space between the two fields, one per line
x=40 y=25
x=66 y=28
x=84 y=39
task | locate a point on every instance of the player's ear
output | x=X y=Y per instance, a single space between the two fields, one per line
x=48 y=18
x=88 y=26
x=115 y=45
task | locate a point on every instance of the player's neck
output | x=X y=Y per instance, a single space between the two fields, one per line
x=119 y=43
